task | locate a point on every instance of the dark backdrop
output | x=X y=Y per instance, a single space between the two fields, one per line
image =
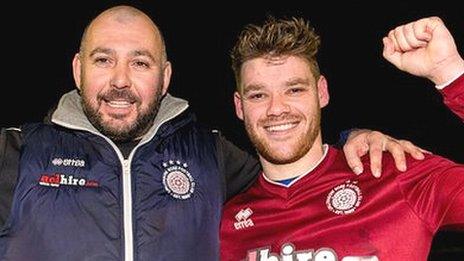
x=40 y=39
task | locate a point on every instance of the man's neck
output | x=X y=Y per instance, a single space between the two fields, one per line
x=300 y=167
x=126 y=147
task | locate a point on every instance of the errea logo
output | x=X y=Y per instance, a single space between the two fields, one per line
x=68 y=162
x=243 y=219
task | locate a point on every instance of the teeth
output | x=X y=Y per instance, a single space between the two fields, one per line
x=119 y=104
x=282 y=127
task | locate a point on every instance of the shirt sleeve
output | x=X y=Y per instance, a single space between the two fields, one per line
x=434 y=188
x=10 y=143
x=453 y=96
x=240 y=167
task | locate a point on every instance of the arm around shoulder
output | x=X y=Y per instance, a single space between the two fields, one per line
x=240 y=167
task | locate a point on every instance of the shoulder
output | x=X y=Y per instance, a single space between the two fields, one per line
x=428 y=168
x=435 y=166
x=11 y=137
x=11 y=141
x=11 y=131
x=40 y=128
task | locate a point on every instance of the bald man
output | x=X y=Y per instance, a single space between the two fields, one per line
x=122 y=171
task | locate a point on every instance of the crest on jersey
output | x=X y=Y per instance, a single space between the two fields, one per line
x=177 y=180
x=344 y=198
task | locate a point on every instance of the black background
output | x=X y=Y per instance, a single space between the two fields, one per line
x=40 y=39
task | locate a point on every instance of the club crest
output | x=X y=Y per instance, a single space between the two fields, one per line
x=344 y=198
x=177 y=180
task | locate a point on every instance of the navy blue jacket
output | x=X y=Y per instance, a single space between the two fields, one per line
x=77 y=198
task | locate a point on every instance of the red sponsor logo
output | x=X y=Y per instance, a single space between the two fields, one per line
x=289 y=253
x=56 y=180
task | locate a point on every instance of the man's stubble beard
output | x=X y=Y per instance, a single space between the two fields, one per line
x=303 y=144
x=128 y=132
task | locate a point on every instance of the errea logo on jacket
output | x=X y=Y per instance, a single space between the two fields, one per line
x=68 y=162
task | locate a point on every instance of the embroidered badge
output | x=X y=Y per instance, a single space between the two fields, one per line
x=68 y=162
x=177 y=180
x=344 y=199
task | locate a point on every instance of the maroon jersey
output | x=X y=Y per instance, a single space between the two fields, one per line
x=332 y=214
x=454 y=96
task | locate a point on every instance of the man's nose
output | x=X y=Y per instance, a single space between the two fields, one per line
x=278 y=105
x=120 y=78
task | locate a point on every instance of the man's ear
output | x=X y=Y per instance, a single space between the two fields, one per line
x=76 y=64
x=323 y=91
x=238 y=105
x=167 y=72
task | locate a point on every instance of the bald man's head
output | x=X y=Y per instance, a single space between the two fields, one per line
x=122 y=72
x=123 y=15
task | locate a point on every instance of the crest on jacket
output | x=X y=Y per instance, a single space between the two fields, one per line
x=177 y=180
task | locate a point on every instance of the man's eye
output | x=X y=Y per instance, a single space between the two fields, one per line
x=256 y=96
x=296 y=90
x=141 y=64
x=102 y=60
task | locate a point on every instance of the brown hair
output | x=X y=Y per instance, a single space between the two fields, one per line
x=274 y=38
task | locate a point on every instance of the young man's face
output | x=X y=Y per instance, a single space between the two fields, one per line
x=280 y=106
x=122 y=76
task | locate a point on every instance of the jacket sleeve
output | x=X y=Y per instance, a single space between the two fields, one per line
x=453 y=96
x=10 y=144
x=240 y=168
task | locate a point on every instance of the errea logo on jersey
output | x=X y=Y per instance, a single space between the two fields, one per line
x=243 y=219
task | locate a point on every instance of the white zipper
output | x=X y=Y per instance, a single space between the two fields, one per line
x=127 y=211
x=174 y=110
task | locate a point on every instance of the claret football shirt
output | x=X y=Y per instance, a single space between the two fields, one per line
x=330 y=214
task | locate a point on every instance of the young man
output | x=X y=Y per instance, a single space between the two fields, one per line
x=306 y=205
